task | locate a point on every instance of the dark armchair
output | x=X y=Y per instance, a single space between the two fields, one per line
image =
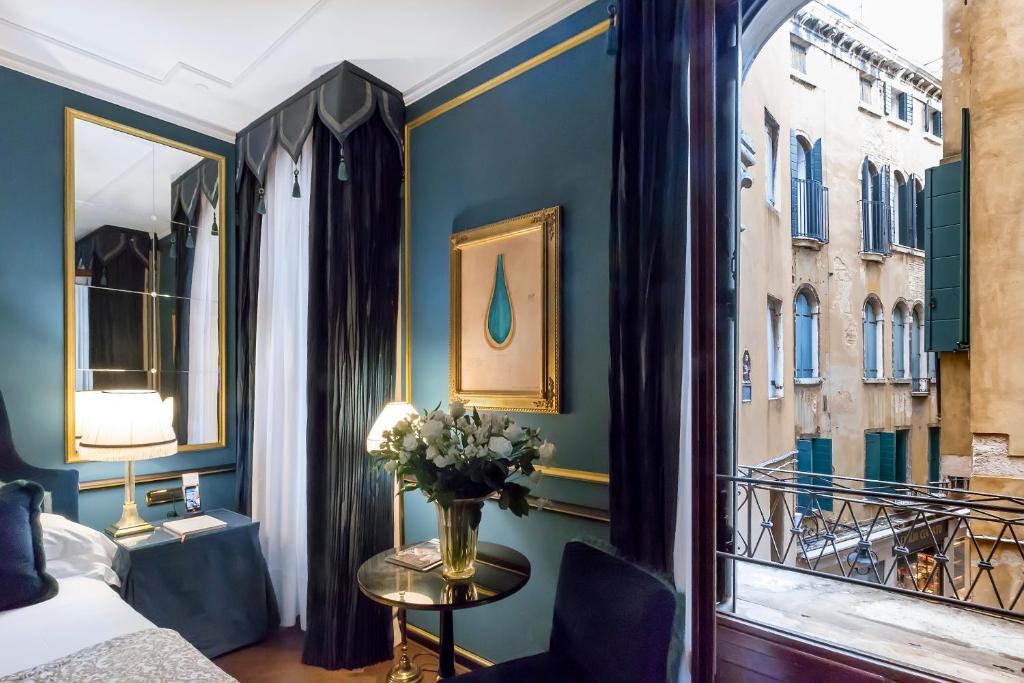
x=613 y=623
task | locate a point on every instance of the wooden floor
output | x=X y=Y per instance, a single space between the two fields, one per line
x=279 y=658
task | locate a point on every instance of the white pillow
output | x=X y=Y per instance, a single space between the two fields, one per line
x=76 y=550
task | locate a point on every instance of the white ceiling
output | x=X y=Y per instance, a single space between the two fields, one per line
x=216 y=65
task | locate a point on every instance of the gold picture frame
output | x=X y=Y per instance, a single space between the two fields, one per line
x=72 y=115
x=504 y=321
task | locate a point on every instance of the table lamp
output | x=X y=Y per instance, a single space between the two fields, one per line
x=388 y=418
x=125 y=426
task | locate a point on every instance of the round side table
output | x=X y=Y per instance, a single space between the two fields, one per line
x=500 y=572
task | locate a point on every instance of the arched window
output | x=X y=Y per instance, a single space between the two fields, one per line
x=900 y=342
x=874 y=208
x=904 y=210
x=873 y=320
x=805 y=321
x=808 y=202
x=918 y=359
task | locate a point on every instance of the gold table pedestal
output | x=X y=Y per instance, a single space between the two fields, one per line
x=404 y=671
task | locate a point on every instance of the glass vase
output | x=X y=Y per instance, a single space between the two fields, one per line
x=457 y=528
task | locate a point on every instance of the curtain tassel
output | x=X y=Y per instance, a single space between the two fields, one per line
x=189 y=242
x=103 y=277
x=261 y=205
x=173 y=247
x=342 y=169
x=613 y=30
x=296 y=190
x=214 y=230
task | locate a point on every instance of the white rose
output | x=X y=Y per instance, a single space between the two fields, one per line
x=547 y=453
x=410 y=442
x=432 y=430
x=443 y=460
x=470 y=451
x=535 y=477
x=390 y=466
x=543 y=503
x=457 y=409
x=453 y=450
x=403 y=457
x=438 y=415
x=500 y=446
x=432 y=452
x=514 y=433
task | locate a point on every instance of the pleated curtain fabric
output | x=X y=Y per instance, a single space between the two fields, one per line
x=648 y=277
x=353 y=309
x=248 y=229
x=280 y=397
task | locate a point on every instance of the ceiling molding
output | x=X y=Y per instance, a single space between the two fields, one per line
x=108 y=94
x=509 y=39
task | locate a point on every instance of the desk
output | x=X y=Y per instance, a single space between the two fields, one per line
x=213 y=587
x=500 y=572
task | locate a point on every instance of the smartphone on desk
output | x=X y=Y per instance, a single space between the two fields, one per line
x=190 y=490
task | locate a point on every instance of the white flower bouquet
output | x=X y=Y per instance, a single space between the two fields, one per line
x=458 y=455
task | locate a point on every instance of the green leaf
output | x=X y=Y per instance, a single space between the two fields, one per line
x=518 y=502
x=476 y=417
x=475 y=516
x=444 y=498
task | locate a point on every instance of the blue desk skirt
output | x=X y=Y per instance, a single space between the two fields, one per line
x=212 y=588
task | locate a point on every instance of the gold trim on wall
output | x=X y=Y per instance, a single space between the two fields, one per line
x=428 y=638
x=70 y=116
x=548 y=398
x=574 y=41
x=118 y=482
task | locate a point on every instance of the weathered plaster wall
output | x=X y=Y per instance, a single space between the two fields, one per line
x=843 y=406
x=983 y=62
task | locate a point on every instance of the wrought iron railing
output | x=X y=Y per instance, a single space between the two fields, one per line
x=935 y=542
x=810 y=209
x=920 y=385
x=875 y=226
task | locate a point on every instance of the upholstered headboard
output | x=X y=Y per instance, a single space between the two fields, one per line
x=61 y=483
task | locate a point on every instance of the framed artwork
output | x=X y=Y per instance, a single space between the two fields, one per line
x=504 y=314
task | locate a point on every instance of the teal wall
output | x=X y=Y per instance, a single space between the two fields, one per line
x=539 y=140
x=32 y=288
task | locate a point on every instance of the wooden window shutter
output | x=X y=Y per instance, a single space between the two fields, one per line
x=804 y=463
x=947 y=238
x=887 y=456
x=887 y=208
x=821 y=450
x=886 y=98
x=934 y=457
x=794 y=197
x=872 y=464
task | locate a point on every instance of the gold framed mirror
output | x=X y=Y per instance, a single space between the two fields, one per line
x=144 y=275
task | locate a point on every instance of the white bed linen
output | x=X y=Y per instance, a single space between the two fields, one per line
x=84 y=612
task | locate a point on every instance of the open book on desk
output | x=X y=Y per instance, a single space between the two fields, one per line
x=194 y=525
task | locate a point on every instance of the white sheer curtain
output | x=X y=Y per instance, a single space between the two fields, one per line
x=682 y=554
x=279 y=418
x=83 y=378
x=203 y=351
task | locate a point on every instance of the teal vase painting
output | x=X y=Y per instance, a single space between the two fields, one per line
x=500 y=321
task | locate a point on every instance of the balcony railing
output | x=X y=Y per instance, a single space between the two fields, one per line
x=875 y=226
x=934 y=542
x=810 y=210
x=920 y=386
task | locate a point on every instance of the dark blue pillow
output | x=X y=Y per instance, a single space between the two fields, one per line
x=23 y=576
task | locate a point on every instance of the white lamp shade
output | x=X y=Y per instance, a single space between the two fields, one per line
x=127 y=425
x=388 y=418
x=84 y=401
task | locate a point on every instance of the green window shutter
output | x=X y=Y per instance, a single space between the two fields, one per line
x=947 y=233
x=821 y=450
x=887 y=456
x=934 y=457
x=804 y=463
x=872 y=469
x=902 y=456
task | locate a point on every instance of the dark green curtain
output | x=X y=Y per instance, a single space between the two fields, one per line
x=247 y=283
x=648 y=276
x=353 y=307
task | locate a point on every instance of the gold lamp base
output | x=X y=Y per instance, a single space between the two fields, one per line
x=129 y=524
x=405 y=671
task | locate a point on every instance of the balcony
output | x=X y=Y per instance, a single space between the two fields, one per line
x=920 y=386
x=875 y=228
x=809 y=213
x=922 y=576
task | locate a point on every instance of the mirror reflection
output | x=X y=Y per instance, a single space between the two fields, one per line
x=147 y=254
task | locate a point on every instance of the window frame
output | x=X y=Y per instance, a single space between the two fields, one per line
x=814 y=306
x=798 y=53
x=900 y=319
x=771 y=172
x=877 y=332
x=775 y=348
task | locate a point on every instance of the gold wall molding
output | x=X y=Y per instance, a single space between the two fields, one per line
x=427 y=638
x=118 y=482
x=594 y=31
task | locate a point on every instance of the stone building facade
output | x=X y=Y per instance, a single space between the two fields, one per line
x=838 y=131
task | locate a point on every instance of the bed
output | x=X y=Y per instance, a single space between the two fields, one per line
x=85 y=633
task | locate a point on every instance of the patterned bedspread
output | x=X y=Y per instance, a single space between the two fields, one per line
x=148 y=656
